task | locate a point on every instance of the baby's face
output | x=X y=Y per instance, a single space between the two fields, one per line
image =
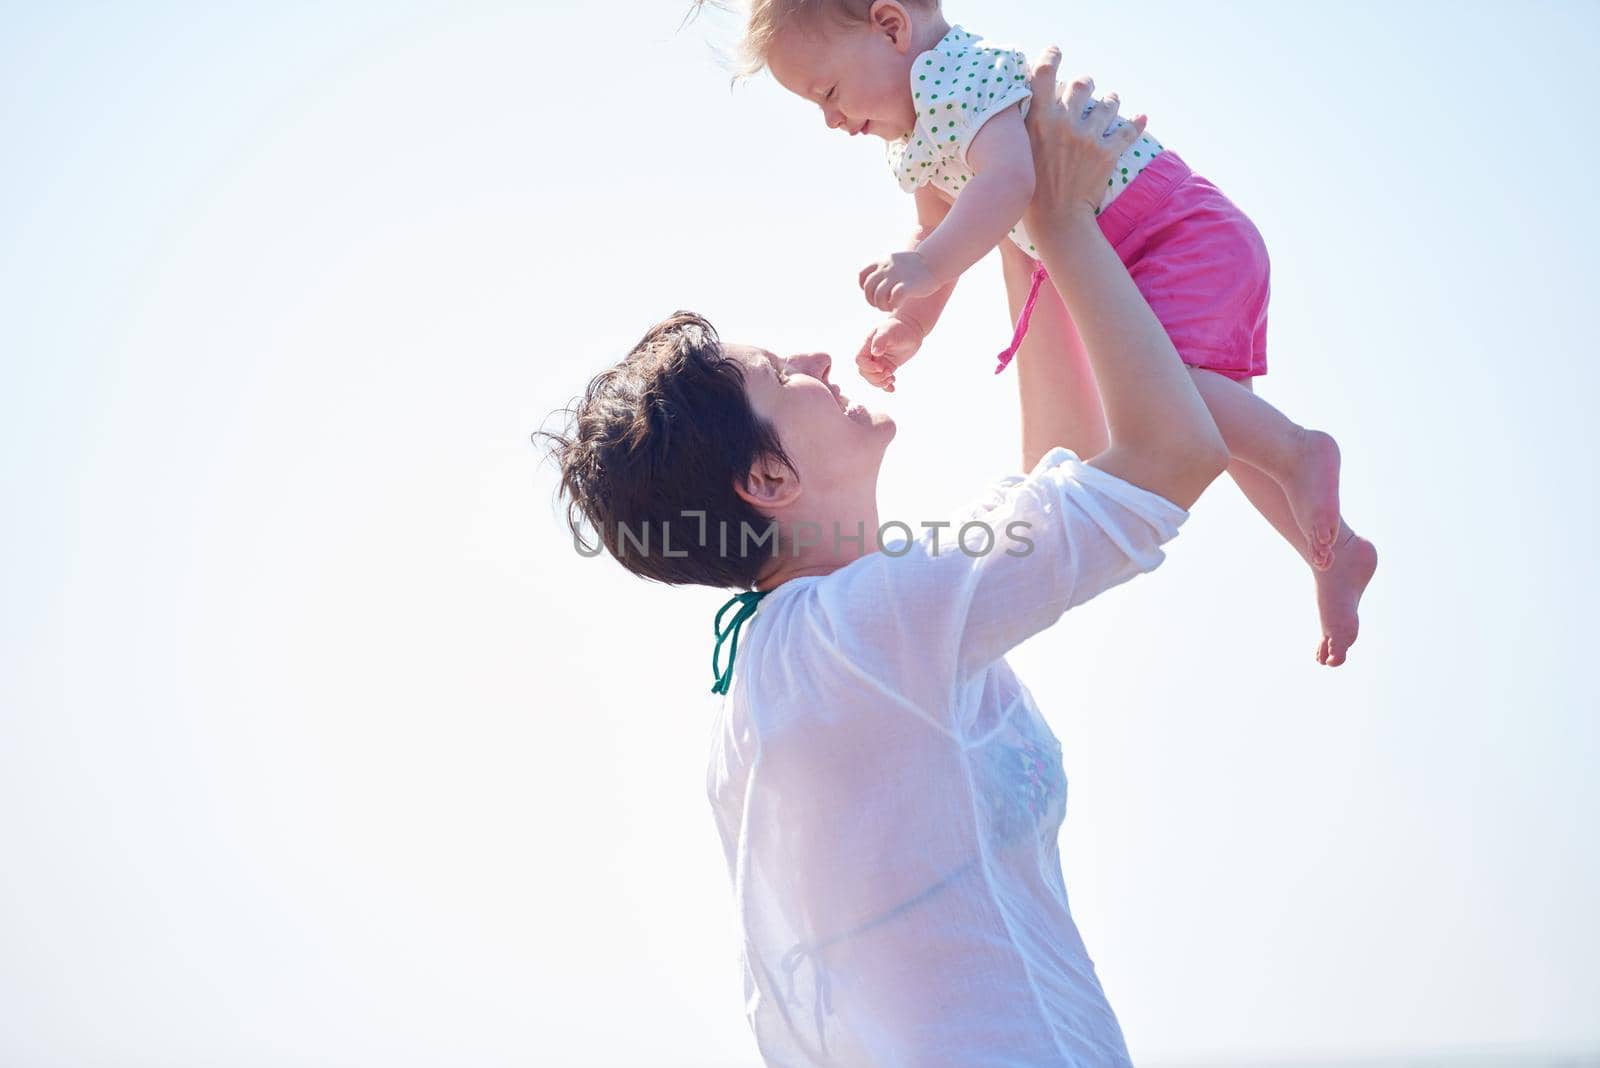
x=858 y=75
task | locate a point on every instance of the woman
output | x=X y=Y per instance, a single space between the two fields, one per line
x=888 y=795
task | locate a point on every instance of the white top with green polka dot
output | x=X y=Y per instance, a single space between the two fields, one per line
x=959 y=85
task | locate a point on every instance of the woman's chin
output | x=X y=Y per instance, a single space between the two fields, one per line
x=860 y=413
x=866 y=418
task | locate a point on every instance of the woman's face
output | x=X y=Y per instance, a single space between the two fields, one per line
x=836 y=446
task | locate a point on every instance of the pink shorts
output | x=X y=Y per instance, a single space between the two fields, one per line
x=1200 y=263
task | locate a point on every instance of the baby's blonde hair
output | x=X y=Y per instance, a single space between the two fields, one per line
x=766 y=19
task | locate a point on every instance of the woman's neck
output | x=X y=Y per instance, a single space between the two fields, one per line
x=815 y=547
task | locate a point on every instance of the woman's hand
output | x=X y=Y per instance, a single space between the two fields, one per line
x=1074 y=145
x=1161 y=437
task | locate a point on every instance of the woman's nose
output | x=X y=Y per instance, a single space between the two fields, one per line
x=815 y=364
x=834 y=117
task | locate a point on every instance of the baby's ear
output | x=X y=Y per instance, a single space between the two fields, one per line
x=890 y=18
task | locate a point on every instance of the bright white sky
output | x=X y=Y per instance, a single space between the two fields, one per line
x=321 y=746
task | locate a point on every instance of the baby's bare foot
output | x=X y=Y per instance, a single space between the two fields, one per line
x=1339 y=590
x=1312 y=488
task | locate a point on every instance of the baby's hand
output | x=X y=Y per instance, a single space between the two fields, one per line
x=891 y=282
x=891 y=343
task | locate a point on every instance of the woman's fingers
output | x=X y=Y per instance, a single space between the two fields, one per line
x=1119 y=140
x=1106 y=114
x=1043 y=80
x=1079 y=95
x=1076 y=141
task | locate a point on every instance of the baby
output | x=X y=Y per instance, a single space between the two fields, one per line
x=951 y=108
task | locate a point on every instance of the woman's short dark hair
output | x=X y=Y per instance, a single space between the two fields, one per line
x=657 y=440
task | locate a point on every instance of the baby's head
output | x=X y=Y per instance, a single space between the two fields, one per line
x=852 y=58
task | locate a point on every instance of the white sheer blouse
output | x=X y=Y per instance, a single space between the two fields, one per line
x=889 y=797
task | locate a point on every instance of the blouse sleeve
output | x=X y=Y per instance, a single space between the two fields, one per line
x=989 y=80
x=955 y=93
x=919 y=618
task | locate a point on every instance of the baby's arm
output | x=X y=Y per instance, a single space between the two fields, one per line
x=988 y=207
x=933 y=207
x=897 y=339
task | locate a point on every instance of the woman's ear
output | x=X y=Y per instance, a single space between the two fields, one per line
x=769 y=486
x=892 y=20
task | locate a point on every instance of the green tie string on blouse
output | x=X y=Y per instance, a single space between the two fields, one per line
x=747 y=602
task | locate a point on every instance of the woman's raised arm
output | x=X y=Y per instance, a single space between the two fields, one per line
x=1161 y=437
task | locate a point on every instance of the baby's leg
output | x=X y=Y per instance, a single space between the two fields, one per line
x=1060 y=398
x=1339 y=587
x=1305 y=463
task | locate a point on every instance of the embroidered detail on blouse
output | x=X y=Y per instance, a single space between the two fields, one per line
x=1024 y=781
